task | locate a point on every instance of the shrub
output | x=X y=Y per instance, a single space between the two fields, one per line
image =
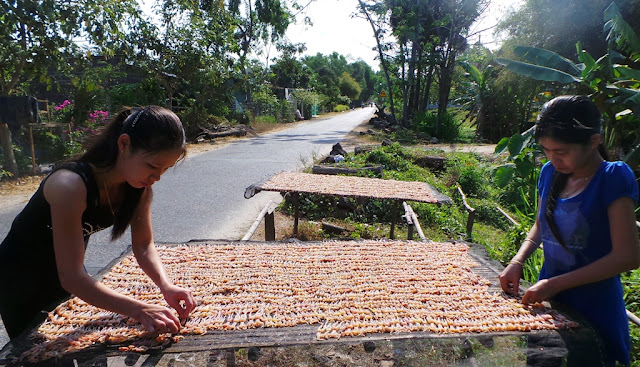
x=425 y=123
x=468 y=171
x=340 y=108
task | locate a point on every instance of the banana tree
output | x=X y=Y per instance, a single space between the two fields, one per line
x=615 y=85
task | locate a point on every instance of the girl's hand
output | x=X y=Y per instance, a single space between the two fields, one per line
x=158 y=319
x=541 y=291
x=180 y=299
x=510 y=278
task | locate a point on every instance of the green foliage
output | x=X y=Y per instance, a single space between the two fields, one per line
x=340 y=108
x=631 y=285
x=498 y=102
x=392 y=157
x=39 y=36
x=449 y=131
x=50 y=147
x=147 y=92
x=23 y=160
x=469 y=172
x=613 y=80
x=349 y=86
x=487 y=212
x=518 y=175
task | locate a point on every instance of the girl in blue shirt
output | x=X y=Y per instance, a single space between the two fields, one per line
x=586 y=222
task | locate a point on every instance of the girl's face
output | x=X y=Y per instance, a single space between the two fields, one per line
x=567 y=158
x=141 y=168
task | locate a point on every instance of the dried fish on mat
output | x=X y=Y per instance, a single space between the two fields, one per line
x=351 y=186
x=347 y=288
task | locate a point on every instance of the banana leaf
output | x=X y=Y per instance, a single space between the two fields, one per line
x=548 y=59
x=538 y=72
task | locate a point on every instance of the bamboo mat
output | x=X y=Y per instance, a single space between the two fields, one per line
x=350 y=186
x=281 y=336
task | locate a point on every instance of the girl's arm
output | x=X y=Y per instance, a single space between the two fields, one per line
x=624 y=256
x=145 y=252
x=66 y=194
x=510 y=276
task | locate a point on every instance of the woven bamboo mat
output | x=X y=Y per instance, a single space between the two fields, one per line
x=351 y=186
x=278 y=336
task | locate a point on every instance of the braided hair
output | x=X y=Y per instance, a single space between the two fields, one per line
x=571 y=120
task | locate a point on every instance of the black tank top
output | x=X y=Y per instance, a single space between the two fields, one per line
x=27 y=258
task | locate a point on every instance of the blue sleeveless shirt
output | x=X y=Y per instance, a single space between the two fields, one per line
x=584 y=226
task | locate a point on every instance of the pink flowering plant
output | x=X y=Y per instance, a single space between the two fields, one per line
x=97 y=119
x=63 y=112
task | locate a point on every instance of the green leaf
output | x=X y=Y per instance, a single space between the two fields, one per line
x=538 y=72
x=618 y=31
x=503 y=175
x=548 y=59
x=588 y=61
x=474 y=73
x=625 y=72
x=501 y=146
x=524 y=167
x=516 y=144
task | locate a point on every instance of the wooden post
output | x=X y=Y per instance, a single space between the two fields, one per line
x=33 y=150
x=296 y=208
x=231 y=358
x=472 y=214
x=269 y=227
x=7 y=149
x=394 y=212
x=408 y=217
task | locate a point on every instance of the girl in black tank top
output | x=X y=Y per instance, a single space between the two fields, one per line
x=41 y=259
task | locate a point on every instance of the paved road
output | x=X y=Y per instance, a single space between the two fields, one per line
x=202 y=197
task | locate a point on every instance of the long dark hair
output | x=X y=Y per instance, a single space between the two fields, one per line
x=152 y=129
x=571 y=120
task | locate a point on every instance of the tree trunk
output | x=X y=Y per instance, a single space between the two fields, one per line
x=427 y=89
x=383 y=61
x=7 y=149
x=414 y=98
x=410 y=86
x=444 y=88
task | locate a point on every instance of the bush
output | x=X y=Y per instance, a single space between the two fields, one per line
x=340 y=108
x=468 y=171
x=49 y=147
x=425 y=123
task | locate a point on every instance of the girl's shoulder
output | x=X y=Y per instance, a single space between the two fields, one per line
x=617 y=168
x=69 y=179
x=618 y=180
